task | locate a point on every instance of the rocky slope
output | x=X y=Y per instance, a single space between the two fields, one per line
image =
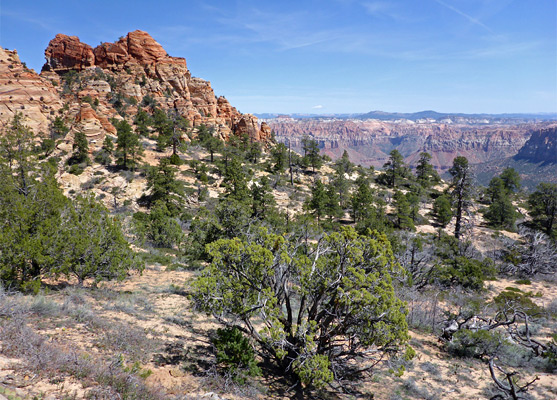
x=536 y=161
x=369 y=142
x=541 y=147
x=115 y=78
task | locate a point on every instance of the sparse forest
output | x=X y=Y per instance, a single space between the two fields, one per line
x=167 y=258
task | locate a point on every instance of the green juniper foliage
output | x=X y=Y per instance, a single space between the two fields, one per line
x=43 y=233
x=319 y=308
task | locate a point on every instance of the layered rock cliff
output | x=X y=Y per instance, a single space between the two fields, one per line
x=135 y=68
x=23 y=91
x=541 y=147
x=369 y=142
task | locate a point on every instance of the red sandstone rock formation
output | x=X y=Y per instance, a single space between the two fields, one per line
x=65 y=53
x=143 y=68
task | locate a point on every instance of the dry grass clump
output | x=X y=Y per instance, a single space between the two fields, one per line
x=129 y=340
x=106 y=380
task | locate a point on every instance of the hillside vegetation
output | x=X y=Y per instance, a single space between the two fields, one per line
x=163 y=263
x=156 y=243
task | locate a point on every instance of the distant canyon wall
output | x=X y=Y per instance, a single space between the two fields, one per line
x=369 y=142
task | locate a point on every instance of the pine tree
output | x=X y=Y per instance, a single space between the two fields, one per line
x=161 y=180
x=129 y=146
x=142 y=122
x=81 y=149
x=395 y=167
x=501 y=212
x=253 y=152
x=279 y=158
x=403 y=212
x=235 y=180
x=442 y=211
x=262 y=199
x=461 y=190
x=342 y=186
x=361 y=201
x=332 y=206
x=171 y=128
x=212 y=144
x=311 y=153
x=425 y=173
x=511 y=180
x=57 y=128
x=317 y=203
x=343 y=164
x=543 y=206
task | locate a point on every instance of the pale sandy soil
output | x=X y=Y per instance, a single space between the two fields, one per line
x=154 y=303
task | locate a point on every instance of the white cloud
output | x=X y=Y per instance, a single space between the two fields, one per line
x=317 y=107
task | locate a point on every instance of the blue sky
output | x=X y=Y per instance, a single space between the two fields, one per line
x=343 y=56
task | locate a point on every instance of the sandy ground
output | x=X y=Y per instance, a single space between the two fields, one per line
x=155 y=303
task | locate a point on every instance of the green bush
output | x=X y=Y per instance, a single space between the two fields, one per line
x=76 y=169
x=235 y=352
x=477 y=344
x=512 y=300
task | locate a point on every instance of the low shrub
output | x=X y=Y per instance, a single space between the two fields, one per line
x=235 y=352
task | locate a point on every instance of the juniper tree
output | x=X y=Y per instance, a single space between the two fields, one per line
x=159 y=226
x=92 y=244
x=320 y=315
x=42 y=233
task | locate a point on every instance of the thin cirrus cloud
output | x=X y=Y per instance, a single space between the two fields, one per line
x=301 y=29
x=473 y=20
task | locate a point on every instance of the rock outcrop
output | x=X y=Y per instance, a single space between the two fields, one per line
x=65 y=53
x=138 y=67
x=23 y=91
x=541 y=147
x=94 y=126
